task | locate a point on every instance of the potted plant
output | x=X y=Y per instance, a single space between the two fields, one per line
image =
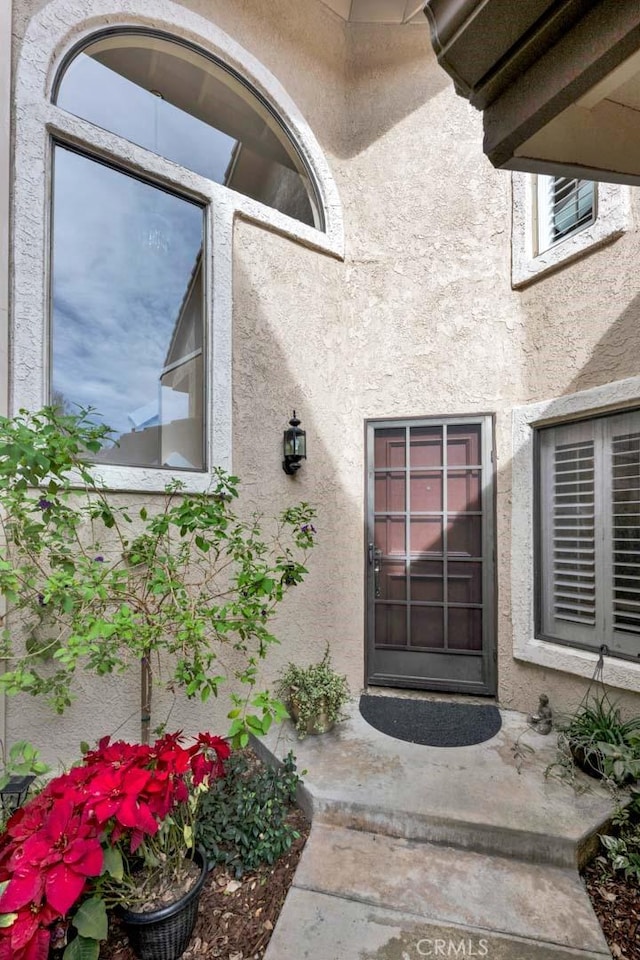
x=601 y=743
x=315 y=695
x=116 y=831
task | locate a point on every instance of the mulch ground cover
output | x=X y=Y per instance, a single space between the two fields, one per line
x=616 y=902
x=235 y=917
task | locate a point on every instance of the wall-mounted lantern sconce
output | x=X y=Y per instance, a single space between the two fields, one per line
x=295 y=446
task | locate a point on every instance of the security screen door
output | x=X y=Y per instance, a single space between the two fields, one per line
x=430 y=609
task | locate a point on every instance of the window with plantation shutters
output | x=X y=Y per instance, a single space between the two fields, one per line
x=589 y=507
x=565 y=206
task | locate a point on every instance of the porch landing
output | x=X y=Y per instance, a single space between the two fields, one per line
x=427 y=851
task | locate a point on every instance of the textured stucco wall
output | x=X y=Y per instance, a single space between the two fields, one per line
x=420 y=319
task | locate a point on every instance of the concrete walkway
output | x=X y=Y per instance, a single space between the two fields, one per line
x=429 y=852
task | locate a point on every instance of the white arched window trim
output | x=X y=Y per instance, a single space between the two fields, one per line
x=50 y=37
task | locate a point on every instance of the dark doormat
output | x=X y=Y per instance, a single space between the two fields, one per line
x=431 y=722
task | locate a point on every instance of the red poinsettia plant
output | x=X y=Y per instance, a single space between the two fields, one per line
x=82 y=844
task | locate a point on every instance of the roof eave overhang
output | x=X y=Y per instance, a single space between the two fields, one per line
x=530 y=67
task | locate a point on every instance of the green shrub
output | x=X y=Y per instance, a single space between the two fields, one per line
x=242 y=819
x=622 y=848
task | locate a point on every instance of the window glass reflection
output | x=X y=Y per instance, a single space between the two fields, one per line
x=178 y=104
x=127 y=311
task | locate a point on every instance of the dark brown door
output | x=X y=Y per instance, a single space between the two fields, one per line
x=430 y=563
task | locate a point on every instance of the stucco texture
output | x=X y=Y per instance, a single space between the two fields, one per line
x=420 y=319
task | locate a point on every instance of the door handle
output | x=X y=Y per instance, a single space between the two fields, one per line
x=375 y=554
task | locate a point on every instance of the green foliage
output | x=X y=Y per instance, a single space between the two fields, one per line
x=90 y=919
x=242 y=818
x=314 y=692
x=22 y=760
x=622 y=848
x=113 y=864
x=82 y=948
x=597 y=736
x=100 y=586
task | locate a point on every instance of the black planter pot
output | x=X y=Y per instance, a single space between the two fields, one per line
x=165 y=934
x=590 y=762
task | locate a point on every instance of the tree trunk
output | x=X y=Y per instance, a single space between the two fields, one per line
x=145 y=699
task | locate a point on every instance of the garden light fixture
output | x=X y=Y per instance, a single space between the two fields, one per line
x=14 y=794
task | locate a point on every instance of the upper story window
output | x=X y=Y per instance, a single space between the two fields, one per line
x=556 y=220
x=127 y=311
x=131 y=312
x=135 y=152
x=565 y=205
x=172 y=100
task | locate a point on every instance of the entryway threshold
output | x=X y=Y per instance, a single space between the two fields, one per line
x=416 y=850
x=475 y=797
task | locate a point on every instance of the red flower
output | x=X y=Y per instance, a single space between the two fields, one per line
x=117 y=793
x=119 y=753
x=53 y=846
x=167 y=786
x=62 y=855
x=164 y=791
x=27 y=938
x=22 y=890
x=219 y=744
x=208 y=757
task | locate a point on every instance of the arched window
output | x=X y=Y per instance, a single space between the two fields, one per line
x=130 y=275
x=174 y=101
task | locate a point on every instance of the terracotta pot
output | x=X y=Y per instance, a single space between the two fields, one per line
x=316 y=724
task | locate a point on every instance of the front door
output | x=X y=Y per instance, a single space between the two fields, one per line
x=430 y=609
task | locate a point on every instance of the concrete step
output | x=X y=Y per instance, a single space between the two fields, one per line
x=359 y=895
x=315 y=926
x=527 y=900
x=475 y=798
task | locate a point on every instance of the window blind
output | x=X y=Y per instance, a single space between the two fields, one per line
x=565 y=205
x=571 y=205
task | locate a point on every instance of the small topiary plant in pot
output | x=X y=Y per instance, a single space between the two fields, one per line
x=315 y=695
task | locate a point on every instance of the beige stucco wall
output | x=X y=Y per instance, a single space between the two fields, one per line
x=420 y=319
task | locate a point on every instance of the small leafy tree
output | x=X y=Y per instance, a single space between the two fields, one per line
x=94 y=584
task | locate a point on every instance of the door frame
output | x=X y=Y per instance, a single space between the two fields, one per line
x=489 y=538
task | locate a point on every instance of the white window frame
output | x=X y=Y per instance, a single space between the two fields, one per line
x=617 y=397
x=613 y=218
x=50 y=37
